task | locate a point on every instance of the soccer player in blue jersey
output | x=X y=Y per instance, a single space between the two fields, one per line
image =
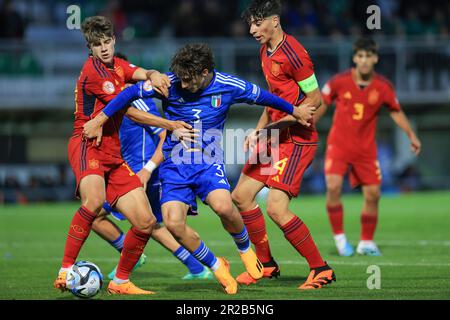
x=141 y=147
x=201 y=96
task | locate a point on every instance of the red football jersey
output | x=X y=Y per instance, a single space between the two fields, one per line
x=283 y=68
x=356 y=115
x=96 y=86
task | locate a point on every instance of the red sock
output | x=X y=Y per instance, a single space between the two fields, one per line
x=133 y=246
x=297 y=233
x=256 y=228
x=336 y=216
x=368 y=225
x=79 y=230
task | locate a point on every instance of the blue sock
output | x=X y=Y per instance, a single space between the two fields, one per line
x=118 y=243
x=188 y=260
x=242 y=240
x=206 y=257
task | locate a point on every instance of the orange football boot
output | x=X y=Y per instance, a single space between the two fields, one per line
x=319 y=277
x=225 y=278
x=60 y=282
x=126 y=288
x=270 y=270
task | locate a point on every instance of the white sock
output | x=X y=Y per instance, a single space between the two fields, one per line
x=367 y=243
x=340 y=240
x=120 y=281
x=215 y=266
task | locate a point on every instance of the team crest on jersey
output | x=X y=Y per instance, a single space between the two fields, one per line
x=147 y=85
x=276 y=68
x=373 y=97
x=93 y=164
x=108 y=87
x=216 y=100
x=348 y=95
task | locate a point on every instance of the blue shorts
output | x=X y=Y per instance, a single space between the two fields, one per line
x=154 y=196
x=184 y=182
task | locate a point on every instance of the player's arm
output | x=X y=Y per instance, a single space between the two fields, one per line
x=160 y=82
x=251 y=139
x=402 y=122
x=146 y=172
x=307 y=110
x=93 y=128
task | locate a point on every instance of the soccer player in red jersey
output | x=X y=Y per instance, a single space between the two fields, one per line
x=100 y=171
x=289 y=72
x=359 y=93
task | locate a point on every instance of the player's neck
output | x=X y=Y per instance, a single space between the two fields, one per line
x=208 y=80
x=363 y=79
x=275 y=40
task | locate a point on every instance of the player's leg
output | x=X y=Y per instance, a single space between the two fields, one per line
x=335 y=212
x=244 y=195
x=220 y=201
x=366 y=172
x=174 y=215
x=110 y=232
x=196 y=270
x=92 y=192
x=166 y=239
x=299 y=236
x=369 y=220
x=135 y=207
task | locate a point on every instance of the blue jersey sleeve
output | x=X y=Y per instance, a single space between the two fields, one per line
x=142 y=89
x=149 y=106
x=252 y=94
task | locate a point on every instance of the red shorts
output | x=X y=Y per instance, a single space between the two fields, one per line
x=363 y=170
x=287 y=172
x=86 y=160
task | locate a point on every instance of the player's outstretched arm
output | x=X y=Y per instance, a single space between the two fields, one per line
x=402 y=122
x=146 y=172
x=251 y=139
x=320 y=112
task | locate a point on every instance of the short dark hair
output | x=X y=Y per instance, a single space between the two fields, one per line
x=260 y=9
x=366 y=44
x=191 y=60
x=95 y=28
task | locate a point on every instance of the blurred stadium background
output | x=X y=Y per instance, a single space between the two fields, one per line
x=40 y=59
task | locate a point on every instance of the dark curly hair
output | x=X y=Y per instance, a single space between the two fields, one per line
x=366 y=44
x=191 y=60
x=260 y=9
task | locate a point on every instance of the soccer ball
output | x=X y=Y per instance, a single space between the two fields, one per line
x=84 y=279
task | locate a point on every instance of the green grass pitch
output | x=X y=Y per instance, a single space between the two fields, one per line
x=413 y=235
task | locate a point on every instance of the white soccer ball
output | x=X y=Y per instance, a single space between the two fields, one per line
x=84 y=279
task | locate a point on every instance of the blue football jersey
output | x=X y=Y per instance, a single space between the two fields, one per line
x=139 y=142
x=205 y=110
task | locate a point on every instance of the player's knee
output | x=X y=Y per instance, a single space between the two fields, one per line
x=372 y=196
x=274 y=211
x=94 y=203
x=224 y=209
x=237 y=197
x=334 y=189
x=241 y=200
x=176 y=228
x=145 y=224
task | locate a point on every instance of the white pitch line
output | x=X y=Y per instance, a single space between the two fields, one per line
x=238 y=261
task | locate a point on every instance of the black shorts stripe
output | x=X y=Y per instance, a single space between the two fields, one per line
x=297 y=161
x=293 y=161
x=83 y=156
x=294 y=54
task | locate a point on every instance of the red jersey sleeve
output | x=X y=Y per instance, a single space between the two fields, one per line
x=329 y=91
x=390 y=98
x=128 y=69
x=300 y=64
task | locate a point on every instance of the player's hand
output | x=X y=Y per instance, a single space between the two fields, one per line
x=160 y=82
x=93 y=129
x=144 y=175
x=304 y=113
x=416 y=145
x=251 y=141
